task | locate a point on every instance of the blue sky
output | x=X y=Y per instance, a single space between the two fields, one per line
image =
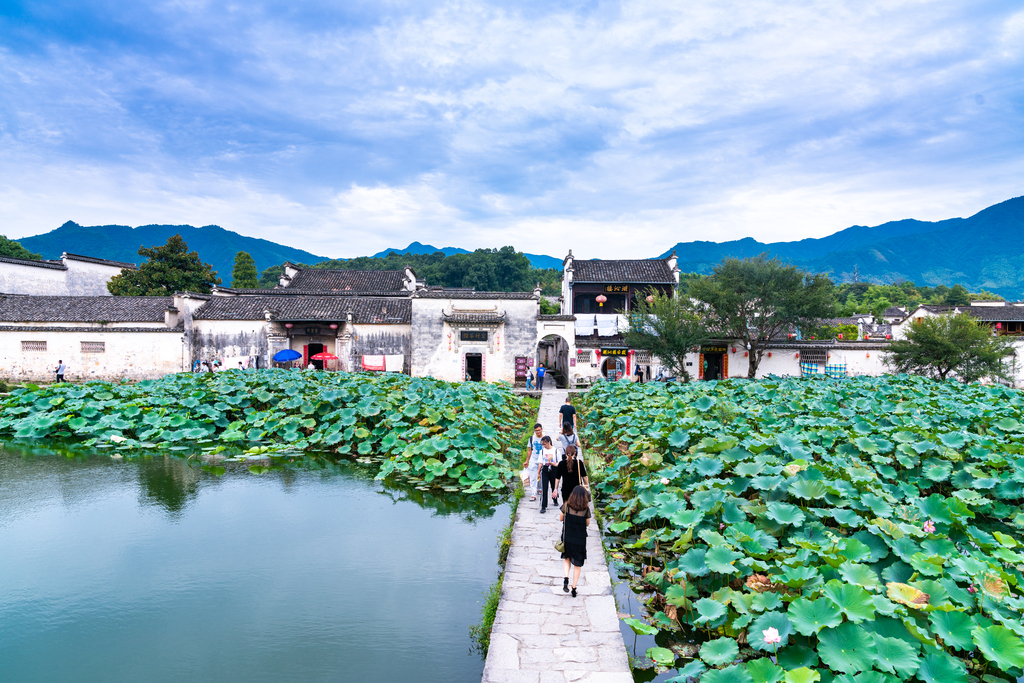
x=616 y=129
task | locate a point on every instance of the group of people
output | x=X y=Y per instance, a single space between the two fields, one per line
x=560 y=469
x=540 y=378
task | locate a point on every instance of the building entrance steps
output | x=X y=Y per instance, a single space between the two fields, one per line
x=540 y=634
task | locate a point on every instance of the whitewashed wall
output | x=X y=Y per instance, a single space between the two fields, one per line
x=21 y=279
x=147 y=354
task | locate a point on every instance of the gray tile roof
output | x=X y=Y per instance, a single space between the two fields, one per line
x=556 y=317
x=307 y=308
x=100 y=261
x=647 y=271
x=351 y=280
x=57 y=309
x=290 y=291
x=55 y=265
x=984 y=313
x=464 y=294
x=475 y=318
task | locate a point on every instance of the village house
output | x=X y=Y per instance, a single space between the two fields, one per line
x=71 y=275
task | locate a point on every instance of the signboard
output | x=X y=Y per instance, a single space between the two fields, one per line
x=472 y=336
x=521 y=366
x=616 y=288
x=713 y=349
x=313 y=331
x=614 y=352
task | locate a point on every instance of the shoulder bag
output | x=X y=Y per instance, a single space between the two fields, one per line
x=560 y=543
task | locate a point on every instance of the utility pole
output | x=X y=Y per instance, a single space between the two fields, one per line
x=856 y=273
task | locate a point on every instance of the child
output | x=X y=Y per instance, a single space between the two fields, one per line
x=532 y=464
x=547 y=472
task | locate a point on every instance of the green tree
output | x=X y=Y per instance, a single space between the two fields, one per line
x=668 y=327
x=14 y=249
x=244 y=274
x=951 y=345
x=271 y=277
x=958 y=296
x=549 y=307
x=756 y=299
x=170 y=268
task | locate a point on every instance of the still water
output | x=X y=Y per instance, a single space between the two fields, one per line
x=156 y=571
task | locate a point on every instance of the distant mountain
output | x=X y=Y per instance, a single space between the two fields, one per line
x=215 y=245
x=417 y=248
x=985 y=251
x=536 y=260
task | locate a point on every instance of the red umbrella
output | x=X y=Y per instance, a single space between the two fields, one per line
x=324 y=356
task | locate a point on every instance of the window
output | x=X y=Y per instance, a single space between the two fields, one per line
x=94 y=347
x=584 y=356
x=33 y=346
x=642 y=357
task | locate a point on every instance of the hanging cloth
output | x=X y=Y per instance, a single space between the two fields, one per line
x=394 y=363
x=375 y=363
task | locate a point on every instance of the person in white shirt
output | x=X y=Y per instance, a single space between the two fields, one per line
x=548 y=472
x=532 y=465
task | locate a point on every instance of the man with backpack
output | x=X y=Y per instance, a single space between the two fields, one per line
x=540 y=377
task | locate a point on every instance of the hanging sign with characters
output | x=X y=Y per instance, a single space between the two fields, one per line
x=472 y=336
x=614 y=352
x=616 y=288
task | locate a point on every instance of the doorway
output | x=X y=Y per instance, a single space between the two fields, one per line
x=474 y=367
x=713 y=366
x=311 y=351
x=613 y=368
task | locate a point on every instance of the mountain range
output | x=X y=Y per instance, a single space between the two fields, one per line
x=984 y=251
x=215 y=245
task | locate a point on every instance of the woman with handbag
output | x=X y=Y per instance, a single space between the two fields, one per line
x=572 y=472
x=575 y=519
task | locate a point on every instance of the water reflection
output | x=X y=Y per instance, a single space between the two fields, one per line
x=159 y=570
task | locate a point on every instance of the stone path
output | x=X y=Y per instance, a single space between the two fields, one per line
x=540 y=634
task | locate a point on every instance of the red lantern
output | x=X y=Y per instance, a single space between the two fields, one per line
x=601 y=298
x=734 y=349
x=334 y=326
x=888 y=336
x=865 y=337
x=840 y=336
x=288 y=325
x=746 y=353
x=650 y=298
x=999 y=326
x=769 y=354
x=797 y=354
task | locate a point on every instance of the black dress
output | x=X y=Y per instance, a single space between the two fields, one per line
x=575 y=535
x=570 y=480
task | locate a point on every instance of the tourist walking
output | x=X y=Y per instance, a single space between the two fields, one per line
x=540 y=377
x=548 y=473
x=534 y=446
x=572 y=472
x=567 y=413
x=61 y=369
x=575 y=519
x=639 y=374
x=529 y=379
x=568 y=438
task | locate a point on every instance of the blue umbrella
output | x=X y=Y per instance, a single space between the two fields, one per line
x=286 y=355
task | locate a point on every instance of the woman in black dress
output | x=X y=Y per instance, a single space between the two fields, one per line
x=571 y=472
x=576 y=518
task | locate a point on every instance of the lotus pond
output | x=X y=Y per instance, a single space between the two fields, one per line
x=864 y=530
x=152 y=569
x=429 y=432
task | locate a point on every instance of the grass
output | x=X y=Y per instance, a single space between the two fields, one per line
x=480 y=634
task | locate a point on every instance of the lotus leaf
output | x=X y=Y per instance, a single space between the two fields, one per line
x=848 y=648
x=709 y=610
x=719 y=652
x=693 y=670
x=954 y=628
x=1000 y=645
x=784 y=513
x=906 y=595
x=853 y=601
x=720 y=559
x=939 y=667
x=810 y=616
x=802 y=675
x=765 y=671
x=893 y=655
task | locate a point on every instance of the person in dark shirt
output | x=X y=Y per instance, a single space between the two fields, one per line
x=540 y=377
x=567 y=413
x=576 y=518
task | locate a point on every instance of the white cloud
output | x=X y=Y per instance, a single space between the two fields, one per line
x=624 y=126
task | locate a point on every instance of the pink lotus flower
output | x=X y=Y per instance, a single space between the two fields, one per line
x=665 y=481
x=721 y=526
x=972 y=589
x=771 y=636
x=928 y=527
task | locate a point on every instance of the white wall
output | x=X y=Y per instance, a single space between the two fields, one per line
x=88 y=279
x=18 y=279
x=135 y=355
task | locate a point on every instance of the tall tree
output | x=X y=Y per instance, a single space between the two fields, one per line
x=668 y=327
x=170 y=268
x=244 y=275
x=755 y=299
x=951 y=345
x=15 y=250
